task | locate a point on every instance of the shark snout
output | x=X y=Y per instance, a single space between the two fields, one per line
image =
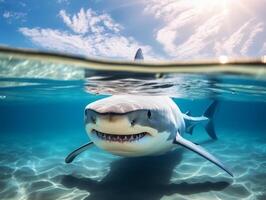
x=94 y=117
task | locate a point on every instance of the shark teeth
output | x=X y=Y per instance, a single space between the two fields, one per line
x=119 y=138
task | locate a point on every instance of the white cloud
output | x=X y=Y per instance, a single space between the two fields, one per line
x=207 y=28
x=10 y=15
x=22 y=4
x=63 y=1
x=263 y=49
x=200 y=39
x=227 y=46
x=89 y=21
x=79 y=22
x=240 y=41
x=7 y=14
x=255 y=29
x=91 y=34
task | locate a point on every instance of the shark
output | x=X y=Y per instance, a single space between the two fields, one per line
x=135 y=125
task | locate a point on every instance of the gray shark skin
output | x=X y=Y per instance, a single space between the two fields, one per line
x=132 y=126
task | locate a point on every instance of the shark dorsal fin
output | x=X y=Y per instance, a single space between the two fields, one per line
x=139 y=55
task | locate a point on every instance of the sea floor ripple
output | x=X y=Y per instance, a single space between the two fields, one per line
x=36 y=170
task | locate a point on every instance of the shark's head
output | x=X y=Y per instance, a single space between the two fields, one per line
x=129 y=127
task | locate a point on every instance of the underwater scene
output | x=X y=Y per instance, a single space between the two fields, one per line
x=42 y=104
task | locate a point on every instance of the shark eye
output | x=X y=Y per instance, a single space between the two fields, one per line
x=133 y=122
x=149 y=114
x=93 y=120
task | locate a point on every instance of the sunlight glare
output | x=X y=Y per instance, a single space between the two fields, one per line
x=223 y=59
x=220 y=4
x=209 y=2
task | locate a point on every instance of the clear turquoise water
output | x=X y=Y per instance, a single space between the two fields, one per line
x=41 y=121
x=40 y=125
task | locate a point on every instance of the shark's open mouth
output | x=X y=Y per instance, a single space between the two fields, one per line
x=119 y=138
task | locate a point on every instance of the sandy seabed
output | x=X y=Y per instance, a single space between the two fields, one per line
x=35 y=170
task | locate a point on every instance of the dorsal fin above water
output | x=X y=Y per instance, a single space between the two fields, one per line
x=139 y=55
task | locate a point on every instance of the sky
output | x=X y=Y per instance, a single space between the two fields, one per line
x=165 y=30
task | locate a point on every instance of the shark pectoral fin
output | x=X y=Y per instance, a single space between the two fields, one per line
x=76 y=152
x=201 y=151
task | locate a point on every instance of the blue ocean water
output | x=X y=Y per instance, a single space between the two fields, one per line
x=41 y=123
x=42 y=101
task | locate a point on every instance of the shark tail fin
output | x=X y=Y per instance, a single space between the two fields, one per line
x=139 y=55
x=209 y=113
